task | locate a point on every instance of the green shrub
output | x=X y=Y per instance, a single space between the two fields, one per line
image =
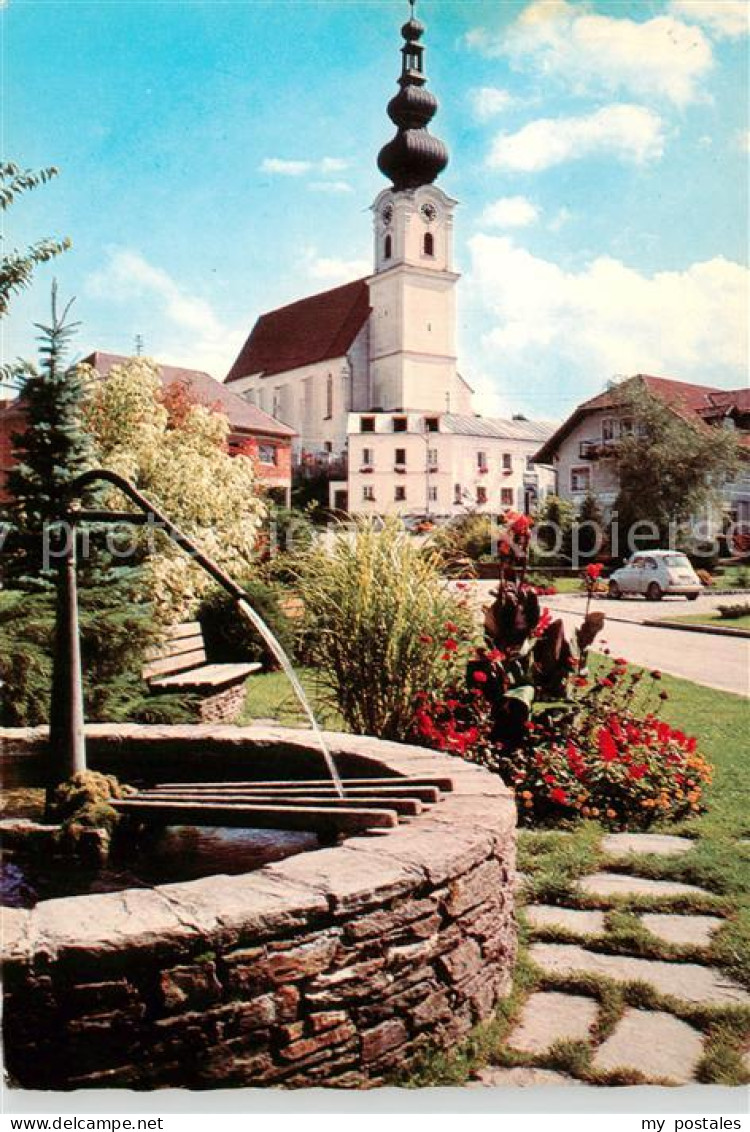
x=116 y=631
x=380 y=625
x=231 y=639
x=734 y=612
x=467 y=537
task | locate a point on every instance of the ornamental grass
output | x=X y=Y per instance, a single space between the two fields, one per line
x=380 y=625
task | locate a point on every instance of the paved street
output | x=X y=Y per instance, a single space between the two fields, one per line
x=711 y=660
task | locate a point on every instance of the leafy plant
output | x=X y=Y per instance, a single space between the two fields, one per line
x=230 y=638
x=380 y=625
x=17 y=267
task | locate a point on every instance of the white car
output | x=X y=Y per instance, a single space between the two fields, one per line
x=655 y=573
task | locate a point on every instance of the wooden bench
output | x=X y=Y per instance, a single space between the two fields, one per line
x=179 y=665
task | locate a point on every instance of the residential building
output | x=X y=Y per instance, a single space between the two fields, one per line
x=443 y=464
x=577 y=448
x=252 y=432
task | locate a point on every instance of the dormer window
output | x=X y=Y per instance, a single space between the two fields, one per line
x=429 y=244
x=388 y=247
x=399 y=424
x=367 y=424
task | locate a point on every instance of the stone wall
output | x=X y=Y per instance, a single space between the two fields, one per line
x=335 y=967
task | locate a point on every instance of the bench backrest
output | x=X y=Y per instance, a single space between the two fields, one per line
x=182 y=650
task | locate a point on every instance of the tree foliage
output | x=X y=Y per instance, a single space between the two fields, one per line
x=669 y=467
x=17 y=267
x=178 y=459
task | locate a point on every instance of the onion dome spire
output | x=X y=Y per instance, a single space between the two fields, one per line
x=413 y=157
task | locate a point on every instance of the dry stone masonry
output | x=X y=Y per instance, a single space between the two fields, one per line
x=337 y=967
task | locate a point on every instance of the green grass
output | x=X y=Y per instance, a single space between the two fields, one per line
x=711 y=619
x=270 y=696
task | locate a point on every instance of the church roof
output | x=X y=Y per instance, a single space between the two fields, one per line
x=242 y=416
x=311 y=330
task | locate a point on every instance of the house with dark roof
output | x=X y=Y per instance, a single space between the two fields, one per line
x=252 y=432
x=578 y=448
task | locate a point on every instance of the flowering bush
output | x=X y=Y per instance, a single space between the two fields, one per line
x=607 y=758
x=598 y=751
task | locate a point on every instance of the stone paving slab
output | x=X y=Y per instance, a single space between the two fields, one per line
x=521 y=1078
x=624 y=884
x=584 y=922
x=690 y=982
x=654 y=1043
x=662 y=844
x=692 y=930
x=549 y=1017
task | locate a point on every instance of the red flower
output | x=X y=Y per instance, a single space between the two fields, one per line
x=543 y=623
x=580 y=681
x=559 y=796
x=656 y=674
x=521 y=526
x=479 y=677
x=548 y=778
x=637 y=770
x=450 y=627
x=425 y=639
x=607 y=746
x=593 y=570
x=450 y=645
x=495 y=654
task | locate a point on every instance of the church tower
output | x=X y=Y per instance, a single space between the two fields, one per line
x=412 y=350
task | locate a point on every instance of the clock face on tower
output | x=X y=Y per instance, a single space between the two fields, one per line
x=429 y=212
x=387 y=214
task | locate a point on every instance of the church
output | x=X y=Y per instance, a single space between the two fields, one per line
x=367 y=373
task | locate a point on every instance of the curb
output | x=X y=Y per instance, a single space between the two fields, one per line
x=713 y=630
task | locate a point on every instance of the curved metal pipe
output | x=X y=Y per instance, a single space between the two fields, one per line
x=79 y=485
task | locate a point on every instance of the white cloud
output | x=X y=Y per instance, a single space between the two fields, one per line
x=334 y=271
x=489 y=101
x=661 y=57
x=510 y=212
x=283 y=167
x=724 y=18
x=558 y=336
x=187 y=331
x=630 y=133
x=332 y=165
x=330 y=187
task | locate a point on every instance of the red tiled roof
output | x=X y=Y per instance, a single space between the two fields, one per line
x=689 y=401
x=311 y=330
x=242 y=416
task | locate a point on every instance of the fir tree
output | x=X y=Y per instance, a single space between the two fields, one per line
x=53 y=449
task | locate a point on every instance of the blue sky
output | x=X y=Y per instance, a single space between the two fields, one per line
x=218 y=159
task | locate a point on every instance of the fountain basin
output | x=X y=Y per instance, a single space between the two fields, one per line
x=336 y=967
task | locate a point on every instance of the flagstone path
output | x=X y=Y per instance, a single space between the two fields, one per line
x=649 y=1043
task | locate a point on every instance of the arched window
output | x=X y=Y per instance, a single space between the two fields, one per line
x=429 y=243
x=388 y=248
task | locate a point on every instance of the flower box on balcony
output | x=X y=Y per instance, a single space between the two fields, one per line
x=400 y=469
x=367 y=470
x=433 y=468
x=507 y=471
x=483 y=471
